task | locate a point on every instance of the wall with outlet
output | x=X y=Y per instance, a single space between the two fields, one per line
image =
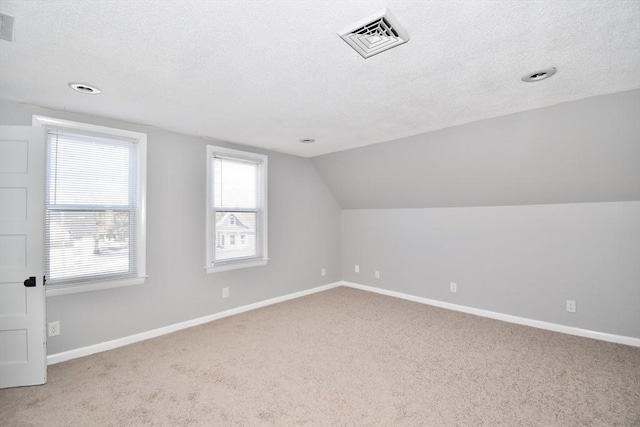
x=522 y=213
x=539 y=262
x=534 y=214
x=304 y=237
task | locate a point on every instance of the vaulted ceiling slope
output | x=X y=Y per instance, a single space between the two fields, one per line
x=268 y=73
x=580 y=151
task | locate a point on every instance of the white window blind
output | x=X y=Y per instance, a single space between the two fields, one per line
x=91 y=207
x=237 y=208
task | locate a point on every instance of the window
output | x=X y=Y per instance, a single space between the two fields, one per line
x=95 y=198
x=236 y=203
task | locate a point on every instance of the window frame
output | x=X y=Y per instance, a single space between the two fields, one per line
x=261 y=258
x=89 y=284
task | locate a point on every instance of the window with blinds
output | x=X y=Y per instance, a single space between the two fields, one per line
x=94 y=207
x=236 y=212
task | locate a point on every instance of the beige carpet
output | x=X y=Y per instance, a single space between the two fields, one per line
x=342 y=357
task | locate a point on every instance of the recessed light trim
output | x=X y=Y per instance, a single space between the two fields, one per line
x=87 y=89
x=307 y=140
x=539 y=75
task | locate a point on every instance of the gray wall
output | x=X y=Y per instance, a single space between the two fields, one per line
x=304 y=236
x=520 y=260
x=582 y=151
x=495 y=210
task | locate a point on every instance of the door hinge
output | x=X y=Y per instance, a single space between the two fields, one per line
x=44 y=280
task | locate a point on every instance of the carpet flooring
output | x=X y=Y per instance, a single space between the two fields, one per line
x=342 y=357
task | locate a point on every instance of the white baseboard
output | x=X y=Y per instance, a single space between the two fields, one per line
x=618 y=339
x=109 y=345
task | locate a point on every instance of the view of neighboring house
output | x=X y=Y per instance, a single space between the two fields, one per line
x=235 y=235
x=100 y=244
x=94 y=243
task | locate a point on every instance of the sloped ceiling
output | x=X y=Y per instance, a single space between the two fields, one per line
x=267 y=73
x=575 y=152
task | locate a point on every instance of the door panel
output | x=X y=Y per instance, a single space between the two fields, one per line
x=22 y=309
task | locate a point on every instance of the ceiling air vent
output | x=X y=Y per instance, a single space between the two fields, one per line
x=375 y=34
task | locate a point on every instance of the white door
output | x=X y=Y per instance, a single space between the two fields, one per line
x=22 y=306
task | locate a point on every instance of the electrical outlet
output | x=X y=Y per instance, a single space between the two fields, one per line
x=323 y=272
x=357 y=268
x=377 y=274
x=571 y=306
x=225 y=292
x=54 y=328
x=453 y=287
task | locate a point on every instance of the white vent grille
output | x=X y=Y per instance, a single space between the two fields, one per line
x=375 y=34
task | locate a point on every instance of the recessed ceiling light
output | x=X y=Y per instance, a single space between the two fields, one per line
x=307 y=140
x=85 y=88
x=536 y=76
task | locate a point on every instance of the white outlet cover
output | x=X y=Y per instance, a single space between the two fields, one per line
x=377 y=274
x=53 y=329
x=357 y=269
x=453 y=287
x=323 y=272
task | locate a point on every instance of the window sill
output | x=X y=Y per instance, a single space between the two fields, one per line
x=75 y=288
x=236 y=266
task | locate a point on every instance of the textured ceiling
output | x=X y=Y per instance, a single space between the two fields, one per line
x=269 y=72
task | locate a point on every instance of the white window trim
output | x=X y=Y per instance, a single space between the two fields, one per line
x=141 y=218
x=76 y=287
x=210 y=238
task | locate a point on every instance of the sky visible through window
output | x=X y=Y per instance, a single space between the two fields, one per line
x=235 y=184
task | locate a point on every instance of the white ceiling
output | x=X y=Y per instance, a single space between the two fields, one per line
x=269 y=72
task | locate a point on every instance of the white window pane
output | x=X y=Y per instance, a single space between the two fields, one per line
x=235 y=184
x=88 y=173
x=87 y=243
x=235 y=235
x=237 y=198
